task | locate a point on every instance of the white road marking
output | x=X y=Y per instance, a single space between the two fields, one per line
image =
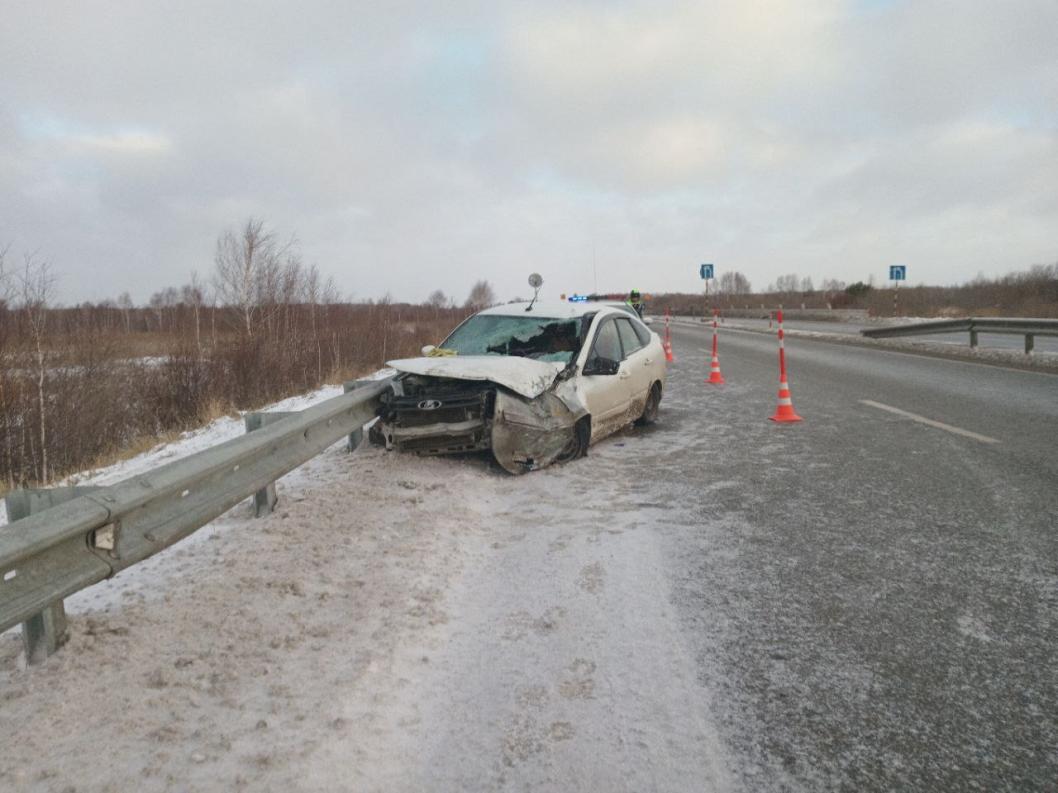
x=930 y=422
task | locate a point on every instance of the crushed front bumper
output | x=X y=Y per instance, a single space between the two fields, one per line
x=448 y=417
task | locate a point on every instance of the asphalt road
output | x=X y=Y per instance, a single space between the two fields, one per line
x=873 y=598
x=987 y=341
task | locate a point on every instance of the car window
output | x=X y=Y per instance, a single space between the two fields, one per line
x=642 y=332
x=607 y=343
x=629 y=339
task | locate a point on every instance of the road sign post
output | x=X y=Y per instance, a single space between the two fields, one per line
x=897 y=273
x=705 y=271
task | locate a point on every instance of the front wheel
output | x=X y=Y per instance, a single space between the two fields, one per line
x=578 y=443
x=650 y=409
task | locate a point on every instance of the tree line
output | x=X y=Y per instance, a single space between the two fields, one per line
x=83 y=385
x=1027 y=293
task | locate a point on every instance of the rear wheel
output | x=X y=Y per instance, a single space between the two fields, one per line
x=578 y=443
x=650 y=409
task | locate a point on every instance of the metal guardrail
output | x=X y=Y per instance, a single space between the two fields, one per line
x=1029 y=328
x=51 y=550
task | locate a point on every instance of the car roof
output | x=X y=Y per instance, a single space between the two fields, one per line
x=555 y=309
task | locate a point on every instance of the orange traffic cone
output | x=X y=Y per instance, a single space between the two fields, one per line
x=785 y=411
x=666 y=343
x=715 y=378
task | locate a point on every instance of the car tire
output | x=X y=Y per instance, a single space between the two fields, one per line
x=650 y=409
x=578 y=444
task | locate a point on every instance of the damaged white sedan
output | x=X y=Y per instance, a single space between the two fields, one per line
x=534 y=383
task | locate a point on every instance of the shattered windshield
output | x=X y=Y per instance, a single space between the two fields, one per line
x=541 y=338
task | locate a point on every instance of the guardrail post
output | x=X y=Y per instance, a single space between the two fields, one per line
x=1030 y=343
x=264 y=500
x=356 y=437
x=44 y=633
x=973 y=338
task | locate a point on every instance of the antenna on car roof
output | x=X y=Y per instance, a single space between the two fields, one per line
x=535 y=281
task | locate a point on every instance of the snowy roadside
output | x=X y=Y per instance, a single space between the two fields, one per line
x=397 y=624
x=143 y=578
x=192 y=441
x=220 y=664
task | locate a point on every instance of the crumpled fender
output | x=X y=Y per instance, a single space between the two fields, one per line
x=529 y=434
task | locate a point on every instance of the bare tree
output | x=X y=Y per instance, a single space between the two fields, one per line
x=787 y=283
x=126 y=306
x=7 y=293
x=313 y=292
x=163 y=302
x=194 y=295
x=481 y=296
x=833 y=285
x=37 y=287
x=248 y=270
x=437 y=299
x=733 y=282
x=6 y=287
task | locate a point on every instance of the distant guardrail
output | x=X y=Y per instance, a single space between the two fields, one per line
x=62 y=540
x=1029 y=328
x=806 y=314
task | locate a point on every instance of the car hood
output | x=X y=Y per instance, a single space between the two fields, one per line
x=524 y=376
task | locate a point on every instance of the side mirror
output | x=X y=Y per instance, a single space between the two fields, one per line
x=602 y=366
x=429 y=348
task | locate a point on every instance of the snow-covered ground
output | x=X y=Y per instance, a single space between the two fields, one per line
x=398 y=624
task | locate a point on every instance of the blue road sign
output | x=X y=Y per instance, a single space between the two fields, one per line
x=898 y=272
x=706 y=271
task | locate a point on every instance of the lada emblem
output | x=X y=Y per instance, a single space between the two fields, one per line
x=429 y=404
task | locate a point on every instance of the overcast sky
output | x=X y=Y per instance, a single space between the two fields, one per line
x=415 y=146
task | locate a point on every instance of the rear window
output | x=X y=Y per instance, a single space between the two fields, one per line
x=629 y=338
x=642 y=332
x=607 y=343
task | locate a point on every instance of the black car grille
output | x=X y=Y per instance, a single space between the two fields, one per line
x=443 y=408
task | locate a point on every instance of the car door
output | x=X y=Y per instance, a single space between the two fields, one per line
x=638 y=360
x=608 y=396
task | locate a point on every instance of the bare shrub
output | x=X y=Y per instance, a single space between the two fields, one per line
x=120 y=377
x=481 y=296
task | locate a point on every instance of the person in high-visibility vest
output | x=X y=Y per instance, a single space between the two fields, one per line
x=635 y=300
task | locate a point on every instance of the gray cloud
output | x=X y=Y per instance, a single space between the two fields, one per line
x=412 y=147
